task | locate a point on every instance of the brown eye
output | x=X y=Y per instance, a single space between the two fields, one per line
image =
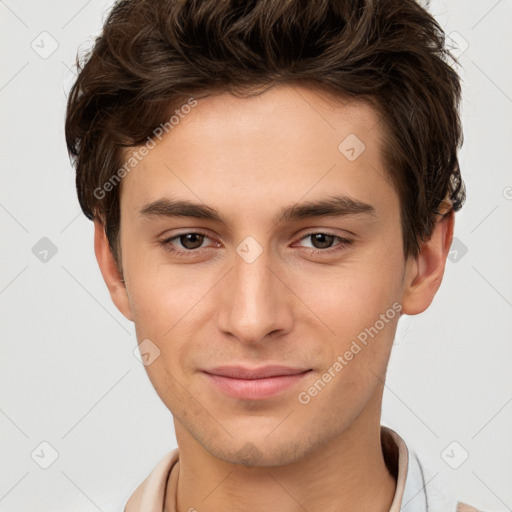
x=325 y=244
x=191 y=240
x=185 y=244
x=322 y=240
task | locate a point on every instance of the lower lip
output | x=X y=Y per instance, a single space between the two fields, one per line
x=255 y=389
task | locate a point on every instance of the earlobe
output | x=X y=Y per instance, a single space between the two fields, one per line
x=424 y=273
x=111 y=275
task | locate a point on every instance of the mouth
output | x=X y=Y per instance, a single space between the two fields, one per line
x=254 y=384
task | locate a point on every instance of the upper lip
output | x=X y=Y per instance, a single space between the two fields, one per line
x=241 y=372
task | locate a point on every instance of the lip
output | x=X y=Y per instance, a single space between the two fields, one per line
x=254 y=383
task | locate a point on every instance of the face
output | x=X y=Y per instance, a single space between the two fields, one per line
x=258 y=276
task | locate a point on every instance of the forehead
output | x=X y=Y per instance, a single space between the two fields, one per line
x=294 y=114
x=288 y=141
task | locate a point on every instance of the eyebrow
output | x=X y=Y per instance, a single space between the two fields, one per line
x=333 y=206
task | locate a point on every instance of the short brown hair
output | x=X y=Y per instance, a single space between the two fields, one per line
x=152 y=55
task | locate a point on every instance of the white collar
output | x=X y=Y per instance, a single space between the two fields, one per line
x=417 y=490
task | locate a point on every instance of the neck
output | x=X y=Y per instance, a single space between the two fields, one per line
x=347 y=473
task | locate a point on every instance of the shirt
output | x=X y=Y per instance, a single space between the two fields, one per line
x=415 y=489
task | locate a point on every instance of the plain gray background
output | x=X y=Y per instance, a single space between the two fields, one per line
x=69 y=377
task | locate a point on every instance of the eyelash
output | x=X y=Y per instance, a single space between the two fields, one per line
x=342 y=245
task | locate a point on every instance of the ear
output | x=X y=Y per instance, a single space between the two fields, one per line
x=110 y=272
x=424 y=273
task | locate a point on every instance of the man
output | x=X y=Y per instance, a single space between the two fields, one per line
x=272 y=184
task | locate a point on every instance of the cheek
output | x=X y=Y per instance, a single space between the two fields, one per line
x=168 y=308
x=159 y=294
x=353 y=297
x=360 y=305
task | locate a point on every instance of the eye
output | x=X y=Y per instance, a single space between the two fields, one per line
x=190 y=243
x=191 y=240
x=322 y=242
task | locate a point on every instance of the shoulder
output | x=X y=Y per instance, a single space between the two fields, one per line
x=149 y=495
x=414 y=478
x=463 y=507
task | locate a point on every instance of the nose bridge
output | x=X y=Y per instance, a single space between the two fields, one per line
x=254 y=302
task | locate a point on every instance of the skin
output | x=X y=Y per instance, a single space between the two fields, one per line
x=248 y=158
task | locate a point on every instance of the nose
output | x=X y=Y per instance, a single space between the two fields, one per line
x=255 y=302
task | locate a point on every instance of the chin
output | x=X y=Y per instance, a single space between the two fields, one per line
x=259 y=451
